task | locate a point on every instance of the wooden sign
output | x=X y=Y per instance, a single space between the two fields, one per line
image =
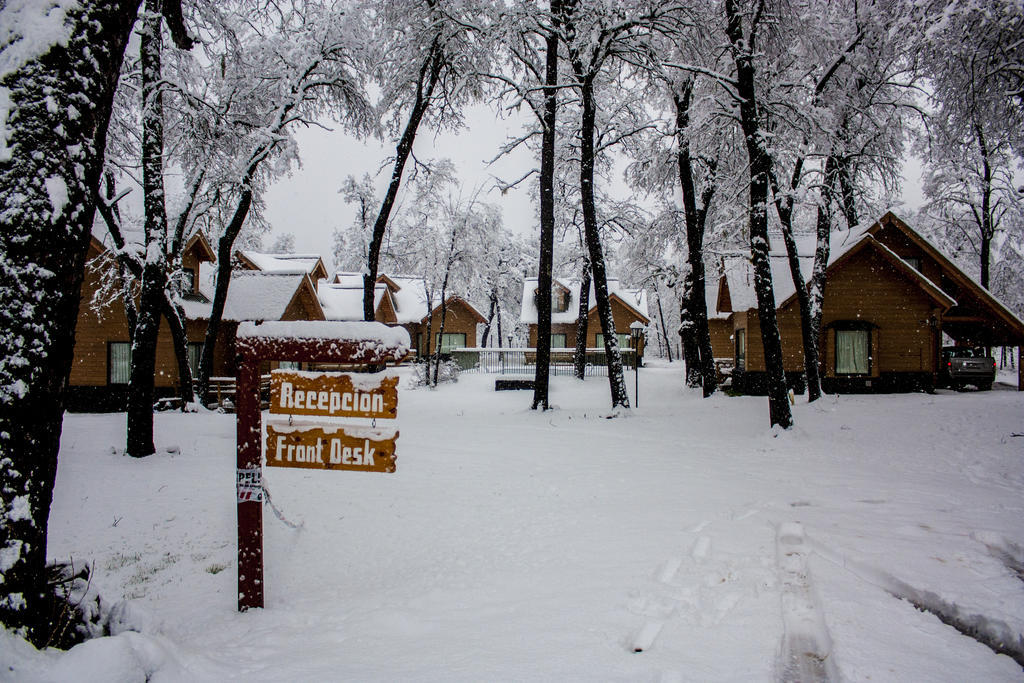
x=331 y=448
x=333 y=395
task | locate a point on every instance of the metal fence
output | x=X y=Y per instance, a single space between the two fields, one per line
x=521 y=361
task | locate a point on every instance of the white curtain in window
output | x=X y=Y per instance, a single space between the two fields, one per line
x=120 y=362
x=625 y=342
x=558 y=340
x=852 y=352
x=451 y=340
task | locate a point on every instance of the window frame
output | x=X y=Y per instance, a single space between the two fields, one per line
x=195 y=354
x=189 y=278
x=740 y=348
x=442 y=348
x=110 y=363
x=564 y=340
x=624 y=340
x=868 y=329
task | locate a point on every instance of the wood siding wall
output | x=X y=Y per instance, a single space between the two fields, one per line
x=94 y=330
x=460 y=319
x=721 y=338
x=622 y=315
x=866 y=288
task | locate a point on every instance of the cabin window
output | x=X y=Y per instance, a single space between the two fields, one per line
x=451 y=340
x=741 y=349
x=624 y=341
x=557 y=340
x=559 y=299
x=853 y=352
x=188 y=280
x=287 y=365
x=913 y=262
x=119 y=362
x=195 y=352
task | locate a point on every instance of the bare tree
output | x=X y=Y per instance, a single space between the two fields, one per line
x=595 y=38
x=321 y=76
x=431 y=66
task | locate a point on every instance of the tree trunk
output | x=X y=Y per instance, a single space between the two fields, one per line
x=220 y=292
x=547 y=213
x=499 y=324
x=440 y=336
x=616 y=377
x=985 y=224
x=43 y=244
x=760 y=166
x=661 y=318
x=582 y=323
x=849 y=202
x=819 y=278
x=154 y=269
x=430 y=71
x=175 y=316
x=809 y=338
x=688 y=335
x=444 y=309
x=695 y=220
x=490 y=317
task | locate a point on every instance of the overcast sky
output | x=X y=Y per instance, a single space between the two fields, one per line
x=309 y=205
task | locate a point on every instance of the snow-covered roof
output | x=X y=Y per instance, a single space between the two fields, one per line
x=372 y=332
x=344 y=302
x=408 y=294
x=252 y=295
x=410 y=298
x=348 y=279
x=283 y=263
x=711 y=298
x=739 y=271
x=1001 y=307
x=633 y=298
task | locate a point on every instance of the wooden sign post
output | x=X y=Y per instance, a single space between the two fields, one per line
x=313 y=342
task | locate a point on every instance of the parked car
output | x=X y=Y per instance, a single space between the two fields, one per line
x=962 y=365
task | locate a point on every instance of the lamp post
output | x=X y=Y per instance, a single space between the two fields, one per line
x=636 y=332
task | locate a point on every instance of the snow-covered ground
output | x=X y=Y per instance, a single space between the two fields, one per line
x=515 y=545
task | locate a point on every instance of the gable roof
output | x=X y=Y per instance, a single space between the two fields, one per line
x=406 y=294
x=459 y=301
x=633 y=299
x=199 y=244
x=344 y=302
x=950 y=270
x=255 y=295
x=868 y=242
x=283 y=263
x=736 y=286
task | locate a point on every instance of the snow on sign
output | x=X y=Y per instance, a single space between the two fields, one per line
x=324 y=394
x=331 y=448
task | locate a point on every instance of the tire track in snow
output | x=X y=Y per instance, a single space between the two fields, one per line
x=995 y=634
x=806 y=653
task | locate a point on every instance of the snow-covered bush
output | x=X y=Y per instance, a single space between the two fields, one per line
x=424 y=373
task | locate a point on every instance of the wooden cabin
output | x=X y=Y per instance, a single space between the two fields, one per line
x=402 y=301
x=628 y=306
x=890 y=297
x=101 y=365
